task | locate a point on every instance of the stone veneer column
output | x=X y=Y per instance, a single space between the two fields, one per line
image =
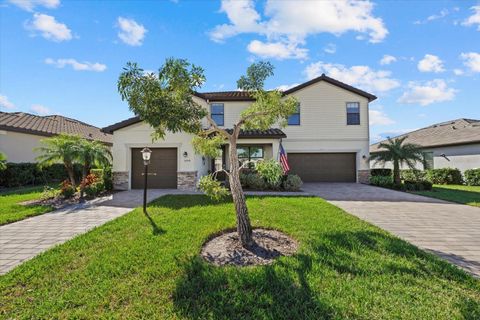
x=120 y=180
x=187 y=180
x=363 y=176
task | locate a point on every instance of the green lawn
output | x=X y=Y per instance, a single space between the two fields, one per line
x=148 y=267
x=11 y=210
x=456 y=193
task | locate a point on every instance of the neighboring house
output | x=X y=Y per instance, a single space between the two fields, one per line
x=326 y=140
x=450 y=144
x=20 y=133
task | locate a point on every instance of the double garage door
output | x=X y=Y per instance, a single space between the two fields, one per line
x=323 y=167
x=162 y=170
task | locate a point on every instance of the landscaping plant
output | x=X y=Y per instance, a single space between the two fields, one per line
x=292 y=182
x=3 y=161
x=472 y=177
x=271 y=171
x=444 y=176
x=92 y=153
x=165 y=101
x=399 y=153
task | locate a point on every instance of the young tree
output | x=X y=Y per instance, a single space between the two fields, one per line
x=399 y=153
x=62 y=148
x=92 y=153
x=165 y=102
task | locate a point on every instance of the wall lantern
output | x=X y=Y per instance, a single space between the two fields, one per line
x=185 y=154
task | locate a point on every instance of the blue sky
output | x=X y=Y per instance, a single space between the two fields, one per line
x=422 y=59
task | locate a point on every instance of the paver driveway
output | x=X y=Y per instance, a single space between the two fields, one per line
x=449 y=230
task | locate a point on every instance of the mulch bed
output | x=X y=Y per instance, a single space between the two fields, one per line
x=60 y=202
x=226 y=249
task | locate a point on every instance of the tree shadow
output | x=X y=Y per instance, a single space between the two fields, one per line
x=355 y=252
x=156 y=230
x=278 y=291
x=178 y=202
x=454 y=195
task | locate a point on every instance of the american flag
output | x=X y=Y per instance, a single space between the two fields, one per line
x=284 y=160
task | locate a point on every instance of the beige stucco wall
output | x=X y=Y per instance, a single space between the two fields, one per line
x=19 y=146
x=140 y=135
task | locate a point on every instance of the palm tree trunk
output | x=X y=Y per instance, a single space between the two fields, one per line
x=71 y=173
x=244 y=227
x=84 y=175
x=396 y=173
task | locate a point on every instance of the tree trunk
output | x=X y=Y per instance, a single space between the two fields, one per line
x=244 y=227
x=71 y=174
x=84 y=175
x=396 y=173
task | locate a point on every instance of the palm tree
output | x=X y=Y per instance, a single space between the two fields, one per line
x=93 y=153
x=64 y=149
x=399 y=153
x=3 y=161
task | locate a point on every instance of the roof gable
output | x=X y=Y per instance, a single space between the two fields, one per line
x=454 y=132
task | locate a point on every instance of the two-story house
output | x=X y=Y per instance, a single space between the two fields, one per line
x=326 y=140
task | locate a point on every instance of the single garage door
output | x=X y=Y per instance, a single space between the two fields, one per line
x=162 y=170
x=323 y=167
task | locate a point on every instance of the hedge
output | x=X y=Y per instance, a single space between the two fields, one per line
x=381 y=172
x=23 y=174
x=472 y=177
x=444 y=176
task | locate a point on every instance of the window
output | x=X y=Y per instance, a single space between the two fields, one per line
x=249 y=153
x=353 y=113
x=427 y=160
x=294 y=118
x=217 y=113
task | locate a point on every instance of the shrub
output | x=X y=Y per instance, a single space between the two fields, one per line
x=381 y=172
x=271 y=171
x=444 y=176
x=107 y=178
x=255 y=181
x=413 y=175
x=23 y=174
x=66 y=189
x=382 y=181
x=212 y=188
x=472 y=177
x=92 y=185
x=417 y=185
x=291 y=182
x=97 y=173
x=49 y=193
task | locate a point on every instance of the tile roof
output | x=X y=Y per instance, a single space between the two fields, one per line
x=258 y=134
x=454 y=132
x=50 y=125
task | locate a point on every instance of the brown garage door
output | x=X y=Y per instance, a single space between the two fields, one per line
x=162 y=168
x=323 y=167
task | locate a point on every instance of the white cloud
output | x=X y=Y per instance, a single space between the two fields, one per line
x=285 y=87
x=431 y=63
x=40 y=110
x=330 y=48
x=5 y=103
x=359 y=76
x=387 y=59
x=291 y=22
x=458 y=72
x=474 y=19
x=49 y=28
x=379 y=118
x=471 y=60
x=442 y=14
x=29 y=5
x=131 y=32
x=77 y=66
x=427 y=93
x=276 y=50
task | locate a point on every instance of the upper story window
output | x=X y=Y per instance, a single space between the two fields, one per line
x=294 y=118
x=217 y=113
x=353 y=113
